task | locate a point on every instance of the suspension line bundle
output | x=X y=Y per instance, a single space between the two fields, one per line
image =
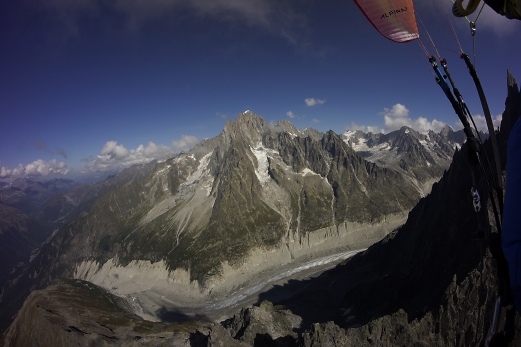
x=396 y=20
x=504 y=306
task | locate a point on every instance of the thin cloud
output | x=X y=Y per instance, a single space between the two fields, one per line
x=22 y=144
x=185 y=143
x=62 y=152
x=138 y=11
x=41 y=145
x=278 y=17
x=294 y=116
x=365 y=128
x=315 y=120
x=374 y=130
x=310 y=102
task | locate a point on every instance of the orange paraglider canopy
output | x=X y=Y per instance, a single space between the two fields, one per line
x=394 y=19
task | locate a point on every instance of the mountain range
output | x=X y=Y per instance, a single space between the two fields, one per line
x=421 y=158
x=192 y=230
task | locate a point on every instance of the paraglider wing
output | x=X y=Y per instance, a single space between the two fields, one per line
x=394 y=19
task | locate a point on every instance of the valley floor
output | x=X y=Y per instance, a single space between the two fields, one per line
x=156 y=305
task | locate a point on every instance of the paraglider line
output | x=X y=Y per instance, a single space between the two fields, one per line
x=447 y=20
x=421 y=60
x=487 y=160
x=475 y=20
x=450 y=50
x=473 y=31
x=465 y=113
x=429 y=36
x=422 y=46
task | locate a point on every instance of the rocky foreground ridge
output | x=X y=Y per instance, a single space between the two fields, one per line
x=428 y=283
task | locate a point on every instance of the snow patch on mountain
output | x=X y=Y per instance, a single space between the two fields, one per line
x=201 y=170
x=308 y=172
x=195 y=191
x=261 y=171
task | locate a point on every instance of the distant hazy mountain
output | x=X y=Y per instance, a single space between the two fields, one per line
x=422 y=158
x=23 y=224
x=29 y=195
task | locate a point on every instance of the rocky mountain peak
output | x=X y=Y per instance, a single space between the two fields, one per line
x=512 y=106
x=400 y=139
x=250 y=126
x=446 y=131
x=511 y=82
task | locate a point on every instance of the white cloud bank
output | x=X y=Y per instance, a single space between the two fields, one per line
x=114 y=156
x=398 y=116
x=35 y=169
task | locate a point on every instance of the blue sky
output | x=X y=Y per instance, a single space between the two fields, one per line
x=95 y=85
